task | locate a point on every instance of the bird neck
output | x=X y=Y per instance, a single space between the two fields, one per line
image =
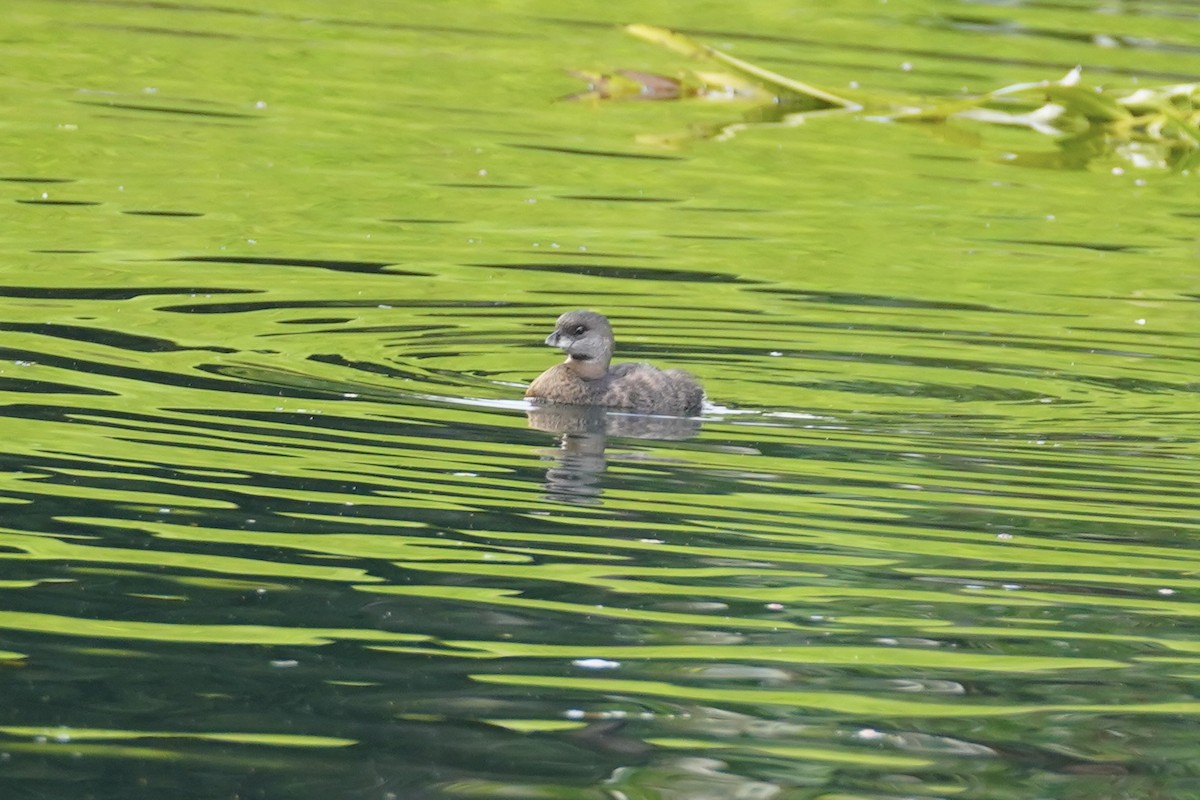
x=588 y=369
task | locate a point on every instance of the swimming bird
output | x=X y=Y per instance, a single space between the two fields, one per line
x=587 y=379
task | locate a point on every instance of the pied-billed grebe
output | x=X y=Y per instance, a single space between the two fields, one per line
x=586 y=378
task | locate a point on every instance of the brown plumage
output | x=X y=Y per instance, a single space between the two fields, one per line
x=586 y=378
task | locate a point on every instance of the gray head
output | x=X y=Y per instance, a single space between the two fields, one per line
x=585 y=336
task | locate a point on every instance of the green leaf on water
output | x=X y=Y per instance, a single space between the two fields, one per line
x=783 y=87
x=1090 y=103
x=1185 y=127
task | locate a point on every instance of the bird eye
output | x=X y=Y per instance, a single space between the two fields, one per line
x=578 y=330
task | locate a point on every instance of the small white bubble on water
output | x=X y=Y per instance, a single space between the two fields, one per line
x=285 y=663
x=261 y=104
x=574 y=713
x=1166 y=591
x=1139 y=322
x=596 y=663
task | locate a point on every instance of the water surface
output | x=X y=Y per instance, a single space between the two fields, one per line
x=277 y=522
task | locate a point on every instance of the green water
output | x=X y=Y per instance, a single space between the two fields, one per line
x=278 y=523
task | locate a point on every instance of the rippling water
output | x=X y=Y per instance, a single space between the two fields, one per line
x=278 y=523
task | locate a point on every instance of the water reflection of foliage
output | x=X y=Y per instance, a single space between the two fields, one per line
x=1155 y=127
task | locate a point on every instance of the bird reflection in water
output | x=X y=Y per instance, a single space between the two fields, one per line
x=580 y=461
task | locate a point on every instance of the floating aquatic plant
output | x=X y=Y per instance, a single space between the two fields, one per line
x=1145 y=127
